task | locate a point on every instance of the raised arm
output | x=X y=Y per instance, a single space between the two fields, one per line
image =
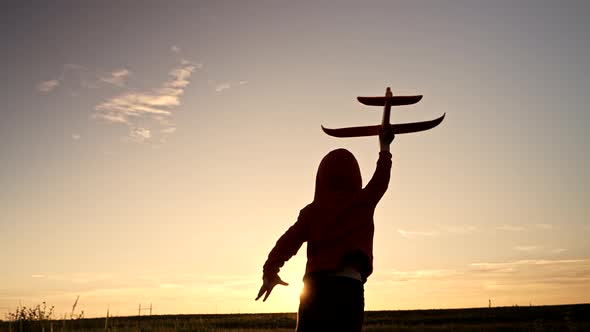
x=378 y=184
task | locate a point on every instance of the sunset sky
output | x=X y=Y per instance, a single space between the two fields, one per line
x=154 y=151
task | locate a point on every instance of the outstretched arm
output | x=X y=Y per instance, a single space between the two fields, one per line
x=378 y=184
x=285 y=248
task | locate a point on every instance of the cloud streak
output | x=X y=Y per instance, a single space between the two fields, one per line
x=147 y=113
x=222 y=86
x=47 y=86
x=168 y=130
x=439 y=230
x=219 y=87
x=151 y=107
x=117 y=77
x=75 y=76
x=506 y=283
x=511 y=228
x=413 y=234
x=526 y=248
x=139 y=134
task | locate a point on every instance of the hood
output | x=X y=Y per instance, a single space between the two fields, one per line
x=338 y=172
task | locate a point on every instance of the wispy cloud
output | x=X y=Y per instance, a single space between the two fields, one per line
x=506 y=283
x=139 y=134
x=219 y=87
x=458 y=229
x=539 y=249
x=74 y=76
x=153 y=107
x=526 y=248
x=222 y=86
x=117 y=77
x=147 y=113
x=47 y=86
x=401 y=276
x=413 y=234
x=168 y=130
x=438 y=230
x=78 y=278
x=527 y=262
x=511 y=228
x=520 y=271
x=544 y=226
x=171 y=286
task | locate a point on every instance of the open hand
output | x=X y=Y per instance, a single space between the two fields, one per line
x=268 y=283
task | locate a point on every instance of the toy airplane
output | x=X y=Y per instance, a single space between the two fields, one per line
x=387 y=101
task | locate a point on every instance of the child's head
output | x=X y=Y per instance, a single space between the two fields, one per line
x=338 y=172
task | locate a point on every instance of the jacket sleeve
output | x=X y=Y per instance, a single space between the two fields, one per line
x=286 y=247
x=378 y=184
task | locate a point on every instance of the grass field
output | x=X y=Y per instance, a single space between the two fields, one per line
x=535 y=318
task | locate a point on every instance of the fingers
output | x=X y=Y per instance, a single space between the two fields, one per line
x=267 y=287
x=387 y=134
x=267 y=294
x=261 y=292
x=280 y=282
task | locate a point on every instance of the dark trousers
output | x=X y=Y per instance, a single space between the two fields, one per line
x=331 y=303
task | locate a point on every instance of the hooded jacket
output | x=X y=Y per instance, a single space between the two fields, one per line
x=338 y=225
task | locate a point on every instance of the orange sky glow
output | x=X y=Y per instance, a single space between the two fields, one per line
x=153 y=152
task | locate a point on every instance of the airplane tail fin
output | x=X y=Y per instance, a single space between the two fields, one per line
x=394 y=101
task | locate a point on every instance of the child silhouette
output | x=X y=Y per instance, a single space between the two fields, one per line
x=338 y=227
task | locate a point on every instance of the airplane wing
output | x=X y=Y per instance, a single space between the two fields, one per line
x=401 y=128
x=404 y=128
x=353 y=131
